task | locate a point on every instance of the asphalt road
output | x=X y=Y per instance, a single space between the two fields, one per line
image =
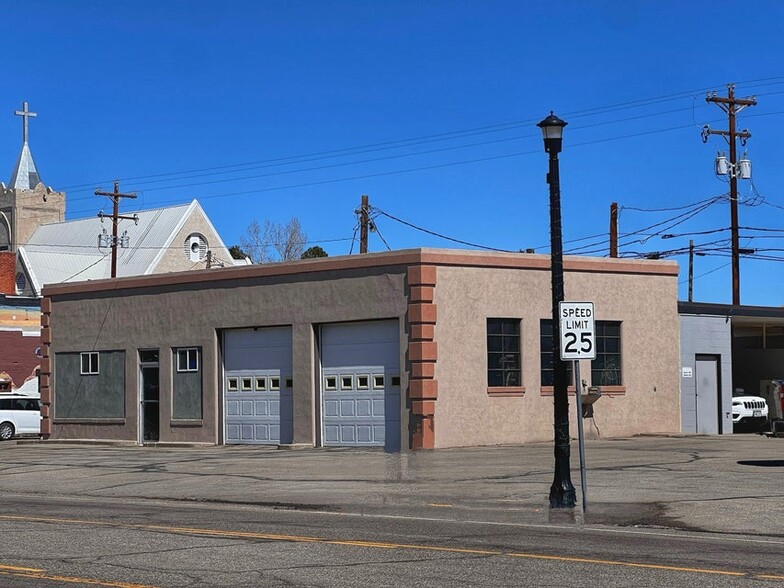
x=684 y=512
x=124 y=543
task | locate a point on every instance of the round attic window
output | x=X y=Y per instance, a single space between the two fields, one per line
x=21 y=282
x=196 y=247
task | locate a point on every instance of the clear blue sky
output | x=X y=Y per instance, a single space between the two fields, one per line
x=268 y=110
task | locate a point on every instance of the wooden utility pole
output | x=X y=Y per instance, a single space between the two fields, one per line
x=115 y=196
x=732 y=106
x=691 y=268
x=364 y=224
x=614 y=229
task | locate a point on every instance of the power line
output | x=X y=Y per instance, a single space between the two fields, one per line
x=435 y=234
x=408 y=170
x=31 y=247
x=371 y=160
x=450 y=135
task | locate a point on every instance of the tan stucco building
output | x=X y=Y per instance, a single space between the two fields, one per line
x=419 y=348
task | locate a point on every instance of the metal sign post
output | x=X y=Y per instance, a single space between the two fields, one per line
x=580 y=436
x=578 y=341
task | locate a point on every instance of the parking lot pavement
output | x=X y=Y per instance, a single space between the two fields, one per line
x=711 y=483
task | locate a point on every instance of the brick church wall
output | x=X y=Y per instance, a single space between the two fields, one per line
x=7 y=272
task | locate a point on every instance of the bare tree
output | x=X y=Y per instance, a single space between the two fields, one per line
x=275 y=241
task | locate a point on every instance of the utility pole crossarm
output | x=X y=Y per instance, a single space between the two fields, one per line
x=732 y=101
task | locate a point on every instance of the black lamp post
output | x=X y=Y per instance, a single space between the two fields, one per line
x=562 y=494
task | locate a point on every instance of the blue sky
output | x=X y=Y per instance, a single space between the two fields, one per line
x=268 y=110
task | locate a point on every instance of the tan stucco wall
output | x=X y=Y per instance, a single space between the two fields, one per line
x=192 y=308
x=175 y=259
x=646 y=305
x=181 y=315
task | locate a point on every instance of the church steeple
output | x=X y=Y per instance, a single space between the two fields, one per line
x=26 y=203
x=25 y=175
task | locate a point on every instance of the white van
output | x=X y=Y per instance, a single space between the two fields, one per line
x=20 y=414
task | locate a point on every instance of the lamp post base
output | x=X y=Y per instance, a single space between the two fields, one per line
x=563 y=495
x=562 y=492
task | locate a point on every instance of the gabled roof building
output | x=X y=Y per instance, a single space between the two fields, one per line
x=175 y=238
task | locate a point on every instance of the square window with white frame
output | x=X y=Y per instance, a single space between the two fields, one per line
x=90 y=365
x=188 y=359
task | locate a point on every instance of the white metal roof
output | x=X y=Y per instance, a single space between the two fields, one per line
x=69 y=251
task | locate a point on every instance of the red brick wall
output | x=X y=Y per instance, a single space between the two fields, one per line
x=7 y=272
x=17 y=355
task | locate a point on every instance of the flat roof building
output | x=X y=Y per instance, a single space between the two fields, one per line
x=421 y=348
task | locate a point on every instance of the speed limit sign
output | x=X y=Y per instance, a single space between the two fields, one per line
x=578 y=338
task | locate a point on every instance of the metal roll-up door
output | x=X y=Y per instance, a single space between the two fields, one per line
x=360 y=384
x=258 y=386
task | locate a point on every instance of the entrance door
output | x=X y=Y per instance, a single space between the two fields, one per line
x=149 y=395
x=708 y=390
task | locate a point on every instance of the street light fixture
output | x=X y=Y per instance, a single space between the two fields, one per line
x=562 y=493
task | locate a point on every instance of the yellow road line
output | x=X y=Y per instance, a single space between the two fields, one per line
x=18 y=569
x=69 y=579
x=609 y=562
x=373 y=544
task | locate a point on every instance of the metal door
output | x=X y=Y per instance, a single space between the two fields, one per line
x=708 y=390
x=258 y=386
x=360 y=384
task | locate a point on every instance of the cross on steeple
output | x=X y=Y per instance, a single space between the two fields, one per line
x=25 y=114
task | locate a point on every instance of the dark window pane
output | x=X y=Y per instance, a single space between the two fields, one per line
x=148 y=356
x=511 y=327
x=503 y=352
x=495 y=378
x=606 y=368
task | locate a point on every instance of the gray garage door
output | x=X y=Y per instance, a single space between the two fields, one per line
x=360 y=384
x=257 y=386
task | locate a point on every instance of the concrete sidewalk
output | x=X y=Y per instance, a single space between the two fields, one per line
x=732 y=484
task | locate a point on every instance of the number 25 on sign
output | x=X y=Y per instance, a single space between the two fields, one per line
x=578 y=340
